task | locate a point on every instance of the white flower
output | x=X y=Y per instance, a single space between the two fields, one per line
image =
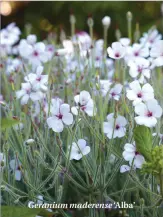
x=38 y=55
x=61 y=116
x=137 y=50
x=116 y=51
x=79 y=150
x=150 y=38
x=10 y=35
x=15 y=166
x=85 y=103
x=13 y=65
x=138 y=94
x=84 y=41
x=35 y=53
x=148 y=113
x=130 y=154
x=157 y=53
x=139 y=67
x=106 y=21
x=105 y=86
x=38 y=81
x=27 y=93
x=115 y=92
x=50 y=51
x=115 y=127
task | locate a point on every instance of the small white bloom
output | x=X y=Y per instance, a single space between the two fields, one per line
x=85 y=103
x=139 y=67
x=157 y=53
x=115 y=92
x=115 y=127
x=137 y=94
x=61 y=116
x=137 y=50
x=116 y=51
x=15 y=166
x=148 y=113
x=27 y=93
x=38 y=81
x=150 y=38
x=130 y=154
x=105 y=86
x=79 y=150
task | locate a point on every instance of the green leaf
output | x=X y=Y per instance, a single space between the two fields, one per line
x=9 y=122
x=11 y=211
x=143 y=140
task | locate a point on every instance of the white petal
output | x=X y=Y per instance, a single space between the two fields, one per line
x=55 y=124
x=18 y=175
x=124 y=168
x=74 y=110
x=81 y=144
x=67 y=119
x=24 y=99
x=141 y=109
x=64 y=109
x=86 y=150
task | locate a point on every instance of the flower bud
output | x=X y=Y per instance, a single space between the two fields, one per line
x=90 y=22
x=129 y=16
x=72 y=19
x=29 y=141
x=106 y=21
x=61 y=52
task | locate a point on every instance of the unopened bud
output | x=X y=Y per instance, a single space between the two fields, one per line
x=90 y=22
x=129 y=16
x=72 y=19
x=106 y=21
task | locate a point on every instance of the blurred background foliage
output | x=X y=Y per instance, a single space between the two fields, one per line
x=52 y=16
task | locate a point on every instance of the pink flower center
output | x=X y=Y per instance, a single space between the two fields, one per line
x=50 y=49
x=97 y=58
x=149 y=114
x=35 y=53
x=140 y=69
x=59 y=116
x=139 y=95
x=136 y=53
x=83 y=108
x=113 y=94
x=28 y=91
x=38 y=79
x=136 y=152
x=117 y=55
x=117 y=127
